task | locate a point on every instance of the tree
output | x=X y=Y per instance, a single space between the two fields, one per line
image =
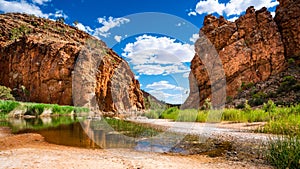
x=5 y=93
x=75 y=23
x=60 y=19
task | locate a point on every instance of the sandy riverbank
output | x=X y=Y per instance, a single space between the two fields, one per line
x=31 y=151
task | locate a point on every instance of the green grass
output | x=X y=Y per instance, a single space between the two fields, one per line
x=6 y=107
x=153 y=114
x=36 y=109
x=171 y=113
x=284 y=152
x=280 y=120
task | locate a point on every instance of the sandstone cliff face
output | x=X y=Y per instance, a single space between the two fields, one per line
x=288 y=21
x=250 y=49
x=41 y=55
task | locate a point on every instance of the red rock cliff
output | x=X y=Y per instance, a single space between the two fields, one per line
x=250 y=49
x=288 y=21
x=40 y=55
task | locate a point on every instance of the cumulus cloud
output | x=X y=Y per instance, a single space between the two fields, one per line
x=157 y=69
x=161 y=90
x=163 y=85
x=29 y=8
x=192 y=13
x=22 y=7
x=59 y=14
x=210 y=6
x=118 y=38
x=84 y=28
x=194 y=37
x=152 y=55
x=109 y=24
x=233 y=7
x=41 y=2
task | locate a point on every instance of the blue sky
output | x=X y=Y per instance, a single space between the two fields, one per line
x=154 y=36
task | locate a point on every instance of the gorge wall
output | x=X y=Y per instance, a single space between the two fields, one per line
x=37 y=60
x=251 y=49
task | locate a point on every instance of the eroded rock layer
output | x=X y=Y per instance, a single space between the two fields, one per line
x=37 y=60
x=250 y=49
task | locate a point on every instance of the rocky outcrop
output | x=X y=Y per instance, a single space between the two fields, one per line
x=288 y=21
x=282 y=88
x=38 y=58
x=250 y=49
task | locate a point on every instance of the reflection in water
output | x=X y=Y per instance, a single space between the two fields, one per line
x=96 y=133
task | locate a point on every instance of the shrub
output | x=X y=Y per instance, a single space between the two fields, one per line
x=7 y=106
x=202 y=116
x=269 y=107
x=170 y=113
x=229 y=99
x=291 y=61
x=60 y=20
x=284 y=152
x=257 y=99
x=246 y=86
x=207 y=104
x=35 y=109
x=188 y=115
x=247 y=107
x=5 y=93
x=16 y=33
x=234 y=115
x=81 y=110
x=152 y=114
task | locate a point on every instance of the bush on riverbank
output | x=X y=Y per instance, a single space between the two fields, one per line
x=37 y=109
x=284 y=152
x=5 y=93
x=6 y=107
x=281 y=120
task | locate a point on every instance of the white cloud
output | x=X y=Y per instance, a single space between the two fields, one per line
x=118 y=38
x=210 y=6
x=273 y=14
x=22 y=7
x=233 y=7
x=186 y=75
x=192 y=13
x=109 y=24
x=59 y=14
x=29 y=8
x=84 y=28
x=194 y=37
x=156 y=69
x=40 y=2
x=233 y=19
x=163 y=85
x=152 y=55
x=170 y=93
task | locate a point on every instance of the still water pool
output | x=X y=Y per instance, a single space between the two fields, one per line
x=96 y=133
